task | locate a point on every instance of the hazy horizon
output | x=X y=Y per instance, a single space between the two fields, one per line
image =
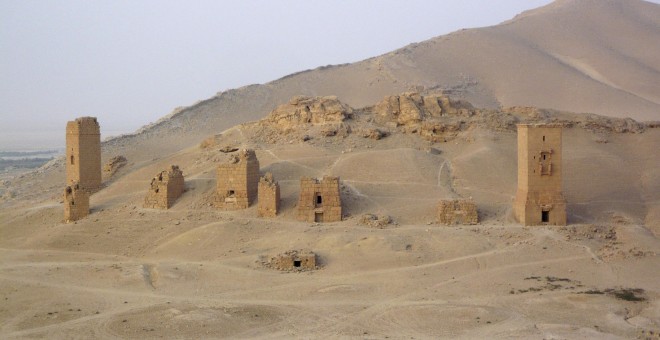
x=130 y=63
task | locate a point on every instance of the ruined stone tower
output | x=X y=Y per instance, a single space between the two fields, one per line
x=269 y=196
x=539 y=199
x=165 y=188
x=237 y=181
x=83 y=153
x=457 y=212
x=76 y=203
x=319 y=201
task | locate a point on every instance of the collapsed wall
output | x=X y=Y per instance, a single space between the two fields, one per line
x=269 y=196
x=238 y=181
x=76 y=202
x=165 y=188
x=319 y=201
x=452 y=212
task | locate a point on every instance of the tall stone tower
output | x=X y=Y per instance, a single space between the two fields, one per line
x=238 y=181
x=539 y=199
x=83 y=153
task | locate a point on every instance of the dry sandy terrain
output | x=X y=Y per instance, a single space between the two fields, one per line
x=197 y=272
x=193 y=271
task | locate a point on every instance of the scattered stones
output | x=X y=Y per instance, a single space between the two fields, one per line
x=375 y=221
x=114 y=164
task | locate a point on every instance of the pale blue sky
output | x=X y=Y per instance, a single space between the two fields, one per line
x=131 y=62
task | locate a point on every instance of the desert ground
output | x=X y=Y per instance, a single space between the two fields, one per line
x=194 y=271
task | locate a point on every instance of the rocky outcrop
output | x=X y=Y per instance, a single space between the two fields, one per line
x=412 y=108
x=304 y=111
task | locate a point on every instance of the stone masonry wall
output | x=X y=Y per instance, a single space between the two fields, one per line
x=165 y=189
x=539 y=198
x=83 y=153
x=269 y=196
x=76 y=203
x=294 y=260
x=319 y=201
x=238 y=181
x=457 y=212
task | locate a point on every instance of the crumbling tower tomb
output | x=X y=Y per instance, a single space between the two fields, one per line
x=165 y=188
x=83 y=153
x=319 y=201
x=269 y=196
x=76 y=203
x=457 y=212
x=294 y=260
x=238 y=181
x=539 y=199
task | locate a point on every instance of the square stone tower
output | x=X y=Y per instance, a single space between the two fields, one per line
x=457 y=212
x=319 y=201
x=83 y=153
x=165 y=188
x=539 y=199
x=269 y=196
x=238 y=181
x=76 y=203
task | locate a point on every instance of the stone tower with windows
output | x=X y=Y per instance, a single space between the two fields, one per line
x=319 y=201
x=83 y=153
x=238 y=181
x=539 y=199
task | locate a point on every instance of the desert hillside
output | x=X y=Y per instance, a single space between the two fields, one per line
x=591 y=56
x=434 y=120
x=195 y=271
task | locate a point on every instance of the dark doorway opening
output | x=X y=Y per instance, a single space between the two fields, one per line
x=319 y=200
x=545 y=216
x=231 y=193
x=297 y=263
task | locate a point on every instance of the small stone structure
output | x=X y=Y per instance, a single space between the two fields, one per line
x=539 y=199
x=269 y=196
x=238 y=181
x=83 y=153
x=76 y=203
x=319 y=201
x=457 y=212
x=165 y=188
x=291 y=260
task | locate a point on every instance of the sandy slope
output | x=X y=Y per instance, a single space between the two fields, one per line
x=594 y=56
x=193 y=271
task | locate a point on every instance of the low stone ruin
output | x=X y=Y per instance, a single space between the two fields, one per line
x=452 y=212
x=238 y=181
x=269 y=196
x=76 y=203
x=114 y=164
x=375 y=221
x=319 y=201
x=165 y=189
x=293 y=260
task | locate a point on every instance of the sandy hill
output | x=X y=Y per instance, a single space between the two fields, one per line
x=596 y=56
x=194 y=271
x=387 y=128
